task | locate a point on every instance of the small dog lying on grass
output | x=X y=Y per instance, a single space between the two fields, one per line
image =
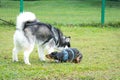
x=66 y=55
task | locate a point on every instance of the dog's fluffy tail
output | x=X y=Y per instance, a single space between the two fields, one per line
x=24 y=17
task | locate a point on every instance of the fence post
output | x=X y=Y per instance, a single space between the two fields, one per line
x=103 y=12
x=21 y=6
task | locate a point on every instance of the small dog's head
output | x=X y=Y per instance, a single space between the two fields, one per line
x=52 y=55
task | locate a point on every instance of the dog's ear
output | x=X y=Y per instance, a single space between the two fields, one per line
x=67 y=39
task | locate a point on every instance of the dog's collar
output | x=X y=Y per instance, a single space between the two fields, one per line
x=54 y=36
x=65 y=52
x=72 y=53
x=65 y=57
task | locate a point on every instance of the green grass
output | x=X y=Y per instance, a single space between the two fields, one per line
x=100 y=46
x=101 y=59
x=64 y=11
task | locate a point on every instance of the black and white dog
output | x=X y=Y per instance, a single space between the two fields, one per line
x=66 y=55
x=30 y=31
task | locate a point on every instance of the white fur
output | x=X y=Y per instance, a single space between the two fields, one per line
x=21 y=42
x=24 y=17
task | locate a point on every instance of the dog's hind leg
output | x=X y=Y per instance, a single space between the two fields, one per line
x=27 y=52
x=15 y=54
x=41 y=52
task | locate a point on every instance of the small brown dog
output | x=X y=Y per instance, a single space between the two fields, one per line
x=66 y=55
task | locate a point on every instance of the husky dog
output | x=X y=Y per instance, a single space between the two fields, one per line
x=30 y=31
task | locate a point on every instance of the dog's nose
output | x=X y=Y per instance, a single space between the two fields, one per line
x=46 y=56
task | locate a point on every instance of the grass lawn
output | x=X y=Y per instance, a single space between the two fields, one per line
x=101 y=57
x=100 y=46
x=63 y=11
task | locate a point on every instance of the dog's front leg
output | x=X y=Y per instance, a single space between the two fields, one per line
x=50 y=46
x=50 y=50
x=41 y=53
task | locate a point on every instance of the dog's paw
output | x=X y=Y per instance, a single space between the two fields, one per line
x=43 y=60
x=15 y=60
x=28 y=63
x=57 y=61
